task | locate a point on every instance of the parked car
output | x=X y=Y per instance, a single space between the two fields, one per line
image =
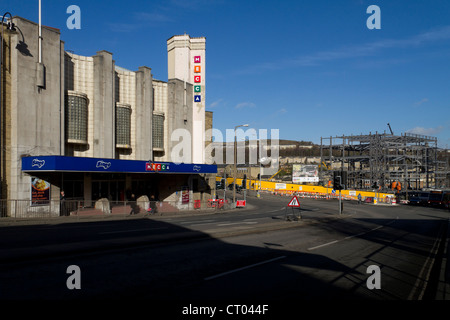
x=418 y=197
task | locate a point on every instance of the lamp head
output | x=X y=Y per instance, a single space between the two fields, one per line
x=10 y=26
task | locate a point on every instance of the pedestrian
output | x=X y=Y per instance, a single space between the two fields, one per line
x=62 y=204
x=133 y=205
x=153 y=204
x=359 y=198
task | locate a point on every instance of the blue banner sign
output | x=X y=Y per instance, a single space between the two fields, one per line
x=80 y=164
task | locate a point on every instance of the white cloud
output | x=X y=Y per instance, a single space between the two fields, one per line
x=425 y=131
x=215 y=103
x=245 y=105
x=352 y=51
x=123 y=27
x=154 y=17
x=418 y=103
x=140 y=20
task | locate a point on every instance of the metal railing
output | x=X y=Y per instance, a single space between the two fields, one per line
x=103 y=207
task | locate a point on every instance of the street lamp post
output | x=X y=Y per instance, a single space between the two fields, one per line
x=264 y=161
x=259 y=185
x=10 y=27
x=235 y=160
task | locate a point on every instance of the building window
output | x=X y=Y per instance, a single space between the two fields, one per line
x=123 y=125
x=158 y=131
x=76 y=105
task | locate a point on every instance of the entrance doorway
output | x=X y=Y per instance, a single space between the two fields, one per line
x=114 y=191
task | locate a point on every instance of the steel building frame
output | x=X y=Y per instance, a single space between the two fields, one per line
x=382 y=159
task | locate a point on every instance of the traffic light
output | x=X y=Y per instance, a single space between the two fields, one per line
x=244 y=182
x=337 y=182
x=343 y=179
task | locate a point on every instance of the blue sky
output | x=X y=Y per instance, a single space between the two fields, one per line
x=309 y=68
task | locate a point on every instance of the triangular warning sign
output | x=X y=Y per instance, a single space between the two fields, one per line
x=294 y=202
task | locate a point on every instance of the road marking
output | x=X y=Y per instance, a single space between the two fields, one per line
x=134 y=230
x=350 y=237
x=363 y=233
x=196 y=221
x=242 y=228
x=243 y=268
x=429 y=262
x=323 y=245
x=201 y=224
x=356 y=235
x=282 y=208
x=233 y=223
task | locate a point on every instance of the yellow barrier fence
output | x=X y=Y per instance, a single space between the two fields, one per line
x=311 y=191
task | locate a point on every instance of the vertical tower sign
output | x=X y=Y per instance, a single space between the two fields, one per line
x=186 y=62
x=198 y=76
x=197 y=79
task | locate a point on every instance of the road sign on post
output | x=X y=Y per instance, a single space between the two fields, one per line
x=294 y=203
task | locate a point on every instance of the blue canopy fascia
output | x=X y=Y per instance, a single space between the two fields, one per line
x=82 y=164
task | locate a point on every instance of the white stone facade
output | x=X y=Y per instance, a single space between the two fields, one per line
x=187 y=61
x=36 y=116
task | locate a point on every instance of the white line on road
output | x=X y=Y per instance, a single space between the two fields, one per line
x=282 y=208
x=196 y=221
x=363 y=233
x=323 y=245
x=134 y=230
x=350 y=237
x=201 y=224
x=422 y=277
x=243 y=268
x=356 y=235
x=240 y=222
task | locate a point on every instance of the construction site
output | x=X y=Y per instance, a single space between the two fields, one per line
x=385 y=162
x=375 y=165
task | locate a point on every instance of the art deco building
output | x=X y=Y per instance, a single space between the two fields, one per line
x=96 y=130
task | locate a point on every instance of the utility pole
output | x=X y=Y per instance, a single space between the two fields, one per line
x=337 y=185
x=235 y=162
x=224 y=184
x=340 y=198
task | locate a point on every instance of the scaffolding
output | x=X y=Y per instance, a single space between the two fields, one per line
x=381 y=160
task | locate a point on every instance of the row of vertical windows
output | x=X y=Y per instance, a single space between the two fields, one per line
x=123 y=125
x=76 y=117
x=158 y=131
x=76 y=109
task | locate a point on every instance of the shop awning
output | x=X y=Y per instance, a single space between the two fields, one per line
x=81 y=164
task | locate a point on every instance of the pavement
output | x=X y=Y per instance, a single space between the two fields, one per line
x=14 y=221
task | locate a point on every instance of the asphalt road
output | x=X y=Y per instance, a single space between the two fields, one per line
x=238 y=256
